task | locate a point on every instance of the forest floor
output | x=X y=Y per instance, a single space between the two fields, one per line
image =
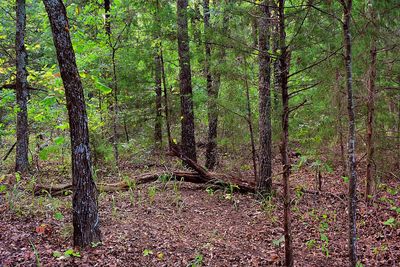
x=168 y=223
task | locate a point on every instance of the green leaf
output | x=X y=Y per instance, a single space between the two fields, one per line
x=147 y=252
x=59 y=140
x=103 y=88
x=57 y=254
x=3 y=188
x=58 y=216
x=390 y=222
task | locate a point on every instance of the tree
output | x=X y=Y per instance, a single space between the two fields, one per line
x=347 y=6
x=370 y=181
x=185 y=78
x=213 y=81
x=85 y=211
x=158 y=90
x=211 y=152
x=21 y=84
x=264 y=183
x=284 y=73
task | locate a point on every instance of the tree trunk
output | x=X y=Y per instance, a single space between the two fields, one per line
x=264 y=183
x=185 y=78
x=347 y=5
x=211 y=151
x=284 y=69
x=21 y=86
x=163 y=78
x=158 y=89
x=276 y=61
x=249 y=119
x=339 y=122
x=370 y=181
x=166 y=103
x=115 y=106
x=84 y=205
x=107 y=25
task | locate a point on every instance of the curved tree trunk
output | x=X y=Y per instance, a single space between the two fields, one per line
x=264 y=183
x=185 y=78
x=85 y=211
x=21 y=86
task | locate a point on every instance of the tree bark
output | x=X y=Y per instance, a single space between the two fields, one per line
x=107 y=24
x=347 y=6
x=21 y=86
x=85 y=211
x=339 y=122
x=115 y=104
x=158 y=89
x=370 y=181
x=249 y=119
x=187 y=114
x=211 y=151
x=166 y=102
x=264 y=183
x=284 y=69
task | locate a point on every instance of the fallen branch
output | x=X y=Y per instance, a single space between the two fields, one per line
x=9 y=151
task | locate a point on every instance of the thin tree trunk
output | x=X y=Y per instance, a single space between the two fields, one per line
x=212 y=92
x=264 y=183
x=250 y=120
x=276 y=61
x=158 y=89
x=187 y=114
x=126 y=130
x=107 y=25
x=166 y=104
x=347 y=5
x=115 y=107
x=284 y=69
x=84 y=206
x=21 y=86
x=370 y=181
x=339 y=122
x=163 y=77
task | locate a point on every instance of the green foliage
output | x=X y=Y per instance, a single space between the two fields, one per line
x=197 y=261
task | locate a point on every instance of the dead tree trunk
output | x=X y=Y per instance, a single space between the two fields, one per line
x=284 y=69
x=185 y=78
x=264 y=183
x=21 y=86
x=347 y=5
x=370 y=181
x=84 y=205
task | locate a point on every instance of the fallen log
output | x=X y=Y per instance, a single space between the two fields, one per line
x=186 y=176
x=206 y=176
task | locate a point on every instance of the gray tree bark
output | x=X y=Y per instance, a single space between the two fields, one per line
x=21 y=86
x=347 y=6
x=84 y=204
x=264 y=183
